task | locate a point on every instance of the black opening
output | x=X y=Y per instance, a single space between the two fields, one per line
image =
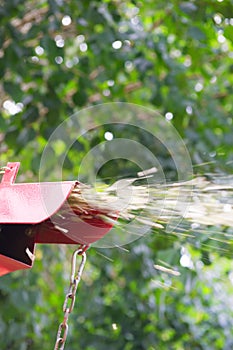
x=14 y=241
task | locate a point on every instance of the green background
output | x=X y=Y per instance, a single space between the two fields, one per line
x=174 y=57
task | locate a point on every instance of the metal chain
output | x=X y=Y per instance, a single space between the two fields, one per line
x=70 y=296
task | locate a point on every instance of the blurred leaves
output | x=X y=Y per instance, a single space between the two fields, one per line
x=173 y=56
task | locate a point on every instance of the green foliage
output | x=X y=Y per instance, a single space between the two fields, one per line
x=173 y=56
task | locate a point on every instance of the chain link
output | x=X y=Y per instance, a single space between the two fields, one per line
x=70 y=296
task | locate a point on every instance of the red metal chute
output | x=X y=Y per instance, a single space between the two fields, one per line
x=32 y=207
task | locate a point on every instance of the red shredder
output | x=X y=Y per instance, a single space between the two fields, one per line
x=27 y=208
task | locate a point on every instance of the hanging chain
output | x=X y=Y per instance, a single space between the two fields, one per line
x=70 y=296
